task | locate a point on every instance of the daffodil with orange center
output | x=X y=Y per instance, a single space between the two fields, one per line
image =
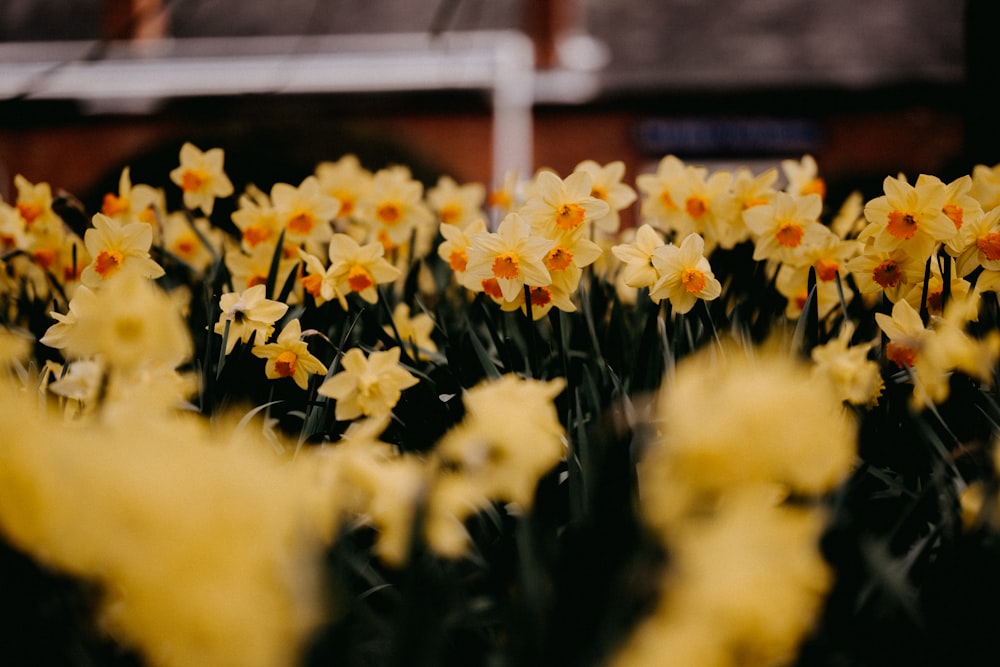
x=247 y=315
x=661 y=201
x=317 y=280
x=891 y=273
x=289 y=357
x=606 y=184
x=454 y=249
x=793 y=284
x=828 y=255
x=906 y=333
x=706 y=206
x=359 y=268
x=934 y=297
x=909 y=217
x=13 y=233
x=571 y=252
x=959 y=206
x=932 y=354
x=682 y=199
x=786 y=228
x=685 y=276
x=201 y=177
x=394 y=208
x=456 y=204
x=506 y=195
x=346 y=181
x=513 y=256
x=251 y=267
x=557 y=294
x=34 y=205
x=115 y=247
x=562 y=205
x=256 y=218
x=802 y=177
x=367 y=386
x=185 y=239
x=304 y=212
x=133 y=203
x=749 y=190
x=980 y=242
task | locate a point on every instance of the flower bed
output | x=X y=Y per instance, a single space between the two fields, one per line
x=368 y=420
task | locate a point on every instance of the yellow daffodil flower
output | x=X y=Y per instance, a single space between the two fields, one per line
x=256 y=219
x=34 y=205
x=414 y=332
x=289 y=356
x=394 y=207
x=358 y=268
x=181 y=240
x=346 y=181
x=908 y=217
x=133 y=203
x=906 y=332
x=456 y=204
x=893 y=273
x=802 y=177
x=684 y=275
x=980 y=244
x=115 y=248
x=201 y=177
x=606 y=184
x=512 y=256
x=784 y=229
x=986 y=185
x=562 y=205
x=659 y=206
x=637 y=257
x=855 y=378
x=369 y=386
x=454 y=249
x=251 y=267
x=304 y=212
x=129 y=322
x=248 y=314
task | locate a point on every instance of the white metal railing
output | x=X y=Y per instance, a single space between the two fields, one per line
x=132 y=74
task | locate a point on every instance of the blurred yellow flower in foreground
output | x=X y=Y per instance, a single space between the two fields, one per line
x=742 y=590
x=206 y=553
x=508 y=440
x=730 y=422
x=130 y=322
x=745 y=579
x=367 y=386
x=856 y=378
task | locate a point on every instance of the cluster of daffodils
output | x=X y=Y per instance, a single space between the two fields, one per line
x=548 y=234
x=352 y=354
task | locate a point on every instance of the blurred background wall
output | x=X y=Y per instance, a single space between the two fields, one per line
x=868 y=88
